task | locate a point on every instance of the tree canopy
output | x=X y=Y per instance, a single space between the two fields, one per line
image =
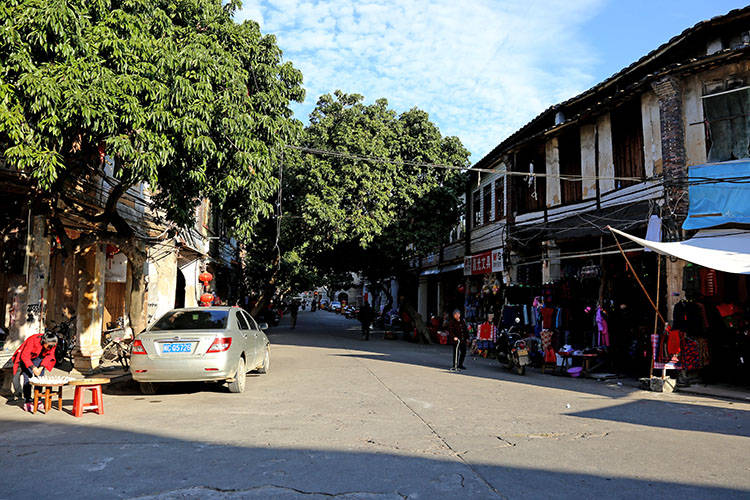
x=361 y=188
x=178 y=94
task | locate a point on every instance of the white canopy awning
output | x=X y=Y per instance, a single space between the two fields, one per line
x=725 y=250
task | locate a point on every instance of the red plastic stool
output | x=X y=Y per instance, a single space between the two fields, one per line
x=93 y=385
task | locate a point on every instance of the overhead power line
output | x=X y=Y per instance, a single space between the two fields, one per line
x=393 y=161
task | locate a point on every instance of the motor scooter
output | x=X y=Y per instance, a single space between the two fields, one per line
x=512 y=350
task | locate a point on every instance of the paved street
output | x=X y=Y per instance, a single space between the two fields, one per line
x=341 y=417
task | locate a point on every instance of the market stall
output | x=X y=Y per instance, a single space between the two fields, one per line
x=710 y=331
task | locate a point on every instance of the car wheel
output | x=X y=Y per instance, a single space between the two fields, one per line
x=238 y=384
x=266 y=366
x=148 y=388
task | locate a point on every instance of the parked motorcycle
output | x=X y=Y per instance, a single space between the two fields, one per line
x=512 y=350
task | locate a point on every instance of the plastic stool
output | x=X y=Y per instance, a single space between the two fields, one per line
x=96 y=400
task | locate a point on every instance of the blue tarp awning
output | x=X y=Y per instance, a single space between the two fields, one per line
x=719 y=194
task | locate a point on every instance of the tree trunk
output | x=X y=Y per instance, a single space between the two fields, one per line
x=269 y=289
x=137 y=257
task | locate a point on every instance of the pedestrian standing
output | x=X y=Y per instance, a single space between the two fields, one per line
x=293 y=309
x=460 y=334
x=365 y=317
x=32 y=358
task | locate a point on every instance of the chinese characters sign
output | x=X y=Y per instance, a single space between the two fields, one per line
x=484 y=263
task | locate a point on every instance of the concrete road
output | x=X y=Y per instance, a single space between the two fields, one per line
x=340 y=417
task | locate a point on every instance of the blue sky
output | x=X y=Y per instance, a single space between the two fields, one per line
x=480 y=68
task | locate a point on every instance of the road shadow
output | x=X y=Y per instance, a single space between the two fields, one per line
x=670 y=415
x=330 y=331
x=86 y=461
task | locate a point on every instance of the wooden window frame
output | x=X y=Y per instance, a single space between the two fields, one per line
x=499 y=198
x=487 y=203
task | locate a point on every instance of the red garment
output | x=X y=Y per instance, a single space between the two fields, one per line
x=485 y=331
x=30 y=349
x=548 y=314
x=674 y=342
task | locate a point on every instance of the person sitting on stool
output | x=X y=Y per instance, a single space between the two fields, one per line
x=35 y=355
x=460 y=333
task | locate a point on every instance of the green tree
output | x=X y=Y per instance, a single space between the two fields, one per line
x=346 y=209
x=183 y=98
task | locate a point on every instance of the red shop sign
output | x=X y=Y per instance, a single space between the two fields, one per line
x=478 y=264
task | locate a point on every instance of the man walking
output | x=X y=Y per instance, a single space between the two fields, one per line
x=460 y=334
x=366 y=317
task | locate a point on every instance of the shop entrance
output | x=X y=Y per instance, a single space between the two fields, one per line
x=179 y=299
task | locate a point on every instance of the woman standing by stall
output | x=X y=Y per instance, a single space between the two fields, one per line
x=36 y=354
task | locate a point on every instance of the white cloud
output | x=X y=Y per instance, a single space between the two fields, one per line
x=481 y=68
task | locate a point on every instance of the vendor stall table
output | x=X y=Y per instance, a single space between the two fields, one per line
x=586 y=359
x=47 y=392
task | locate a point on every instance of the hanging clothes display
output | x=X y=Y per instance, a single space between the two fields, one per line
x=602 y=326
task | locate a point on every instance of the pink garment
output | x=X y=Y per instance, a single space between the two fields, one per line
x=601 y=323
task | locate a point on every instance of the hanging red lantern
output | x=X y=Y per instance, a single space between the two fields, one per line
x=461 y=289
x=207 y=299
x=205 y=277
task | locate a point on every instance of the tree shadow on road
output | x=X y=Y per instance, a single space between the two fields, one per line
x=100 y=461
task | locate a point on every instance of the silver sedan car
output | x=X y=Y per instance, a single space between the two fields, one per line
x=200 y=344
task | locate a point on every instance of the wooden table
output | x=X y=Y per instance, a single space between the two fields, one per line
x=45 y=391
x=89 y=381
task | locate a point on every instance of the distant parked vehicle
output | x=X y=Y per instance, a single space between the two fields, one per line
x=351 y=312
x=200 y=345
x=335 y=307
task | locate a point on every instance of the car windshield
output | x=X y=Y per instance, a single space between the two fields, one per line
x=192 y=320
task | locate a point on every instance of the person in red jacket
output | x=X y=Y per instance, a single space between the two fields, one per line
x=35 y=355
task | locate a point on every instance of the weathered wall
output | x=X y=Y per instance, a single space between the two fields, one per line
x=63 y=289
x=193 y=287
x=15 y=310
x=28 y=295
x=692 y=110
x=651 y=134
x=552 y=152
x=588 y=160
x=606 y=157
x=90 y=274
x=692 y=105
x=162 y=281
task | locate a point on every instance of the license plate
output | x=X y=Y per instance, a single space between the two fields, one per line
x=523 y=352
x=177 y=347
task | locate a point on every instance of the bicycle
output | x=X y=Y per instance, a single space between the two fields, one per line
x=117 y=346
x=67 y=340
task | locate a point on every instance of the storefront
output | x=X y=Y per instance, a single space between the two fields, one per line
x=483 y=285
x=588 y=308
x=710 y=332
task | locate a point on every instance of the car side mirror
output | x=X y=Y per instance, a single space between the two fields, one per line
x=263 y=326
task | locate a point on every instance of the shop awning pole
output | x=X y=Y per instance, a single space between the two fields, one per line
x=638 y=279
x=656 y=317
